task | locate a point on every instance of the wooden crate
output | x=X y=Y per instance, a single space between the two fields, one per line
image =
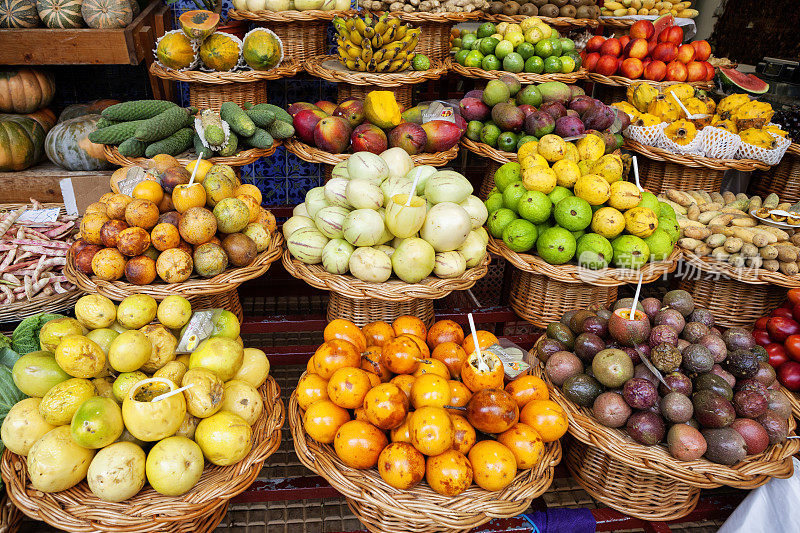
x=41 y=182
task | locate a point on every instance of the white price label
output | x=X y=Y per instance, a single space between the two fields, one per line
x=438 y=111
x=135 y=176
x=39 y=215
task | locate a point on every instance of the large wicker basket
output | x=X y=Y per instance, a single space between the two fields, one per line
x=313 y=154
x=330 y=68
x=523 y=77
x=208 y=90
x=655 y=462
x=382 y=508
x=304 y=34
x=245 y=157
x=79 y=510
x=783 y=179
x=54 y=303
x=434 y=39
x=484 y=150
x=194 y=286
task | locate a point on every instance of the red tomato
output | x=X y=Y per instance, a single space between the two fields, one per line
x=761 y=323
x=761 y=337
x=794 y=296
x=777 y=354
x=782 y=311
x=789 y=375
x=779 y=328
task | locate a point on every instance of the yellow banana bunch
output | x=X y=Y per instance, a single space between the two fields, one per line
x=375 y=44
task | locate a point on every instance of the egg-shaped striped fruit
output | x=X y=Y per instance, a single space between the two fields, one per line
x=60 y=13
x=18 y=14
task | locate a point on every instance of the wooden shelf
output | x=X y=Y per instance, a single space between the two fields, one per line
x=40 y=182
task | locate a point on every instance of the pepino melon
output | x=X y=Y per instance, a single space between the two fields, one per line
x=262 y=49
x=175 y=51
x=199 y=24
x=60 y=13
x=220 y=52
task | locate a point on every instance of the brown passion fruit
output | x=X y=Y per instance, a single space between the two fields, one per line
x=108 y=264
x=142 y=214
x=174 y=265
x=109 y=233
x=165 y=236
x=173 y=177
x=210 y=260
x=133 y=241
x=116 y=205
x=91 y=227
x=83 y=259
x=240 y=248
x=197 y=225
x=140 y=270
x=173 y=217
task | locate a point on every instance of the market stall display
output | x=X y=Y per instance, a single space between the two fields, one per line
x=669 y=348
x=780 y=179
x=96 y=387
x=570 y=15
x=624 y=8
x=434 y=453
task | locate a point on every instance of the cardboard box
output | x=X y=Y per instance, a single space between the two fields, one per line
x=80 y=191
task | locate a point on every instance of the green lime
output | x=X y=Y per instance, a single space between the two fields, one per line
x=486 y=29
x=512 y=194
x=507 y=141
x=535 y=206
x=559 y=193
x=488 y=45
x=554 y=34
x=461 y=56
x=665 y=210
x=573 y=213
x=630 y=252
x=477 y=44
x=526 y=50
x=594 y=251
x=556 y=46
x=513 y=62
x=576 y=57
x=552 y=64
x=525 y=139
x=544 y=48
x=456 y=42
x=567 y=64
x=474 y=59
x=556 y=245
x=498 y=220
x=567 y=45
x=534 y=65
x=541 y=227
x=489 y=135
x=474 y=128
x=520 y=235
x=660 y=244
x=503 y=48
x=420 y=62
x=494 y=202
x=507 y=174
x=490 y=62
x=468 y=40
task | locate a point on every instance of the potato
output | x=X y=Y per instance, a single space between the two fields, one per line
x=768 y=252
x=771 y=264
x=790 y=269
x=787 y=254
x=749 y=250
x=702 y=250
x=712 y=206
x=693 y=212
x=689 y=243
x=696 y=232
x=737 y=260
x=744 y=222
x=733 y=244
x=717 y=239
x=708 y=216
x=720 y=254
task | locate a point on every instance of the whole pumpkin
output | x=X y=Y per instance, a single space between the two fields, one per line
x=45 y=117
x=67 y=145
x=90 y=108
x=25 y=90
x=21 y=142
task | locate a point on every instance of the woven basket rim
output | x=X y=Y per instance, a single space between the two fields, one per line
x=312 y=154
x=245 y=157
x=794 y=149
x=758 y=276
x=559 y=22
x=753 y=472
x=570 y=273
x=616 y=22
x=421 y=504
x=288 y=67
x=293 y=16
x=78 y=509
x=694 y=161
x=484 y=150
x=622 y=81
x=392 y=290
x=228 y=280
x=527 y=78
x=423 y=17
x=316 y=67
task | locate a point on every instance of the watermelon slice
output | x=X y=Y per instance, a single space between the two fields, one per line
x=750 y=83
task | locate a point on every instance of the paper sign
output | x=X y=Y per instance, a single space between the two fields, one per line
x=39 y=215
x=199 y=328
x=135 y=176
x=439 y=111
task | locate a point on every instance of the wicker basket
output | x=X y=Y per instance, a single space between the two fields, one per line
x=659 y=154
x=487 y=184
x=734 y=303
x=208 y=90
x=362 y=312
x=619 y=23
x=484 y=150
x=346 y=91
x=78 y=510
x=10 y=516
x=330 y=68
x=558 y=22
x=754 y=471
x=313 y=154
x=523 y=77
x=658 y=176
x=541 y=300
x=55 y=303
x=392 y=290
x=304 y=34
x=382 y=508
x=434 y=39
x=622 y=81
x=783 y=179
x=193 y=287
x=635 y=492
x=245 y=157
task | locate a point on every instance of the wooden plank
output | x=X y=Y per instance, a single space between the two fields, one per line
x=39 y=182
x=82 y=46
